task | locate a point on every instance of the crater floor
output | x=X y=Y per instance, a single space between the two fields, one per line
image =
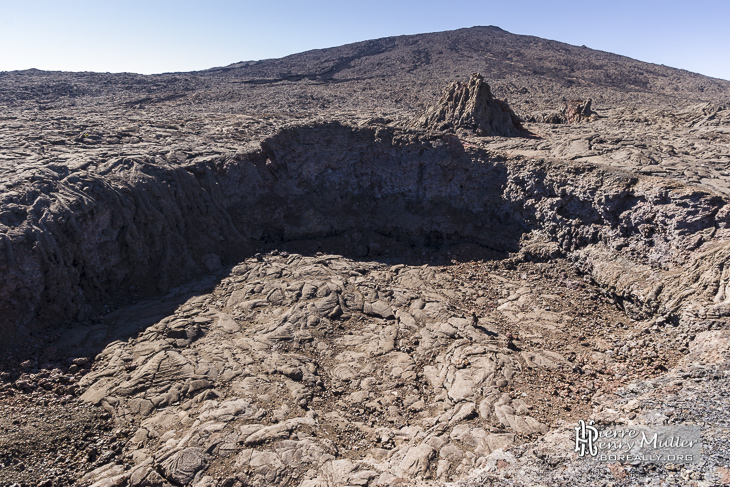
x=326 y=369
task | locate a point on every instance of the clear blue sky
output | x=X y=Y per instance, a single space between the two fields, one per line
x=162 y=36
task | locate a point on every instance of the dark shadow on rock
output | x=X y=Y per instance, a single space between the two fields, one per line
x=140 y=227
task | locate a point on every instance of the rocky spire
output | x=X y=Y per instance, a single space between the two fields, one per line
x=470 y=106
x=575 y=111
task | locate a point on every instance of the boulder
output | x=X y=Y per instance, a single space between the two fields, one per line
x=575 y=111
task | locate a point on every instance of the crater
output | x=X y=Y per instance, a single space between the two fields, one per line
x=372 y=303
x=137 y=226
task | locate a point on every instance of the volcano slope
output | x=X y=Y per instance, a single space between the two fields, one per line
x=271 y=299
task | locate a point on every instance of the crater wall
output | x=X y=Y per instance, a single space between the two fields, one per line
x=77 y=238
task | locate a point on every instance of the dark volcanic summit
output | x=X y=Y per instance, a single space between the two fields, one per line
x=514 y=64
x=392 y=73
x=349 y=266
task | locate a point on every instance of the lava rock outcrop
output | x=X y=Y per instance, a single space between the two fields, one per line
x=472 y=107
x=575 y=111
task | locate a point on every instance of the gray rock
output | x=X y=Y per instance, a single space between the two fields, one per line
x=182 y=467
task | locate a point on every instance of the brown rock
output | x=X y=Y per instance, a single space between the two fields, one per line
x=575 y=111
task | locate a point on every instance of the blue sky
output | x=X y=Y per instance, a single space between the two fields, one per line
x=162 y=36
